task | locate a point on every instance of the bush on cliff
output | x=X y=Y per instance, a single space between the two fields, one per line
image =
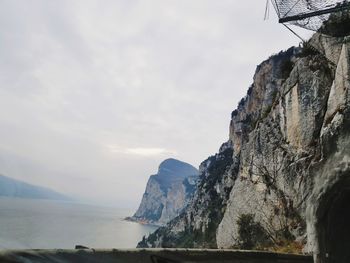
x=251 y=234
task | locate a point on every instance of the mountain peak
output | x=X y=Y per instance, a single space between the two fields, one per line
x=174 y=167
x=167 y=192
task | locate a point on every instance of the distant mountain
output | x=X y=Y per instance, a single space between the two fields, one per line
x=15 y=188
x=167 y=192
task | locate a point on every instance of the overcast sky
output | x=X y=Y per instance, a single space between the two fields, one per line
x=95 y=94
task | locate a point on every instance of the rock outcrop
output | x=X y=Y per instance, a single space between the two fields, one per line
x=196 y=226
x=167 y=192
x=283 y=176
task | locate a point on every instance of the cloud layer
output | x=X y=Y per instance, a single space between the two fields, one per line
x=95 y=94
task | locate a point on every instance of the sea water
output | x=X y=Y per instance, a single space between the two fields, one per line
x=46 y=224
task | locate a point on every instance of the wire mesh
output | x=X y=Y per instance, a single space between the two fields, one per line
x=309 y=14
x=330 y=18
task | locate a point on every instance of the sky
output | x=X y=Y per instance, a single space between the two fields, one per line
x=94 y=94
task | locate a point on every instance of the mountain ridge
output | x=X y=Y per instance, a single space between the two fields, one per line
x=11 y=187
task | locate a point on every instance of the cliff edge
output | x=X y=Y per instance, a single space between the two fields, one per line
x=167 y=192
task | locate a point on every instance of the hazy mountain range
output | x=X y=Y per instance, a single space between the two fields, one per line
x=14 y=188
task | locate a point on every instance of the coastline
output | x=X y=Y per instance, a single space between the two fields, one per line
x=141 y=222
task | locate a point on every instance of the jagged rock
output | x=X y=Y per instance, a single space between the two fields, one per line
x=167 y=192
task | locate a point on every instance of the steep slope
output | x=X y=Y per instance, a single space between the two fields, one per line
x=14 y=188
x=167 y=192
x=288 y=153
x=278 y=155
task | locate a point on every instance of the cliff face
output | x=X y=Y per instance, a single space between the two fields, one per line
x=167 y=192
x=288 y=154
x=296 y=152
x=276 y=153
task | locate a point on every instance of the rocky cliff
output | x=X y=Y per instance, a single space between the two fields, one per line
x=273 y=184
x=167 y=192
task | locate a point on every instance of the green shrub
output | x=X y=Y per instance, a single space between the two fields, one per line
x=338 y=24
x=251 y=234
x=286 y=68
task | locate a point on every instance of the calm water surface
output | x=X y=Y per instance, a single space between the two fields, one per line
x=52 y=224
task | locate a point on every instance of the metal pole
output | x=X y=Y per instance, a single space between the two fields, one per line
x=316 y=13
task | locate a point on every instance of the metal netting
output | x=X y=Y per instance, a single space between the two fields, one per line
x=308 y=14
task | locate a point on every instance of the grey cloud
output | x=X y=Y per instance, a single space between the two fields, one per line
x=151 y=78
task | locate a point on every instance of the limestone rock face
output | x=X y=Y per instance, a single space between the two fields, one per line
x=288 y=154
x=295 y=138
x=292 y=145
x=196 y=225
x=167 y=192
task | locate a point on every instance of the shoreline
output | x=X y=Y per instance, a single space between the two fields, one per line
x=141 y=222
